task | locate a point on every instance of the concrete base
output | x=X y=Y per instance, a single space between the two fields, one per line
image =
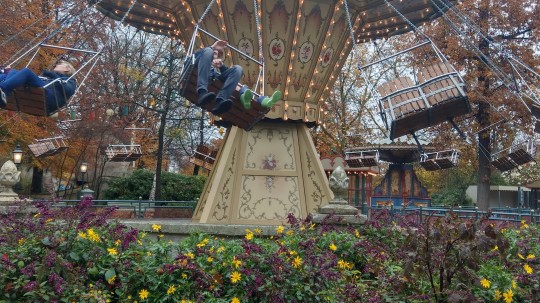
x=339 y=212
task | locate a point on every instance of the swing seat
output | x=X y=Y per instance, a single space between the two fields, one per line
x=123 y=153
x=427 y=161
x=29 y=100
x=439 y=160
x=438 y=97
x=367 y=158
x=204 y=157
x=48 y=147
x=504 y=163
x=521 y=156
x=237 y=115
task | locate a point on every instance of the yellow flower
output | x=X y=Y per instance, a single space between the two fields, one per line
x=49 y=220
x=530 y=256
x=190 y=255
x=333 y=247
x=290 y=232
x=257 y=231
x=112 y=251
x=156 y=227
x=280 y=229
x=497 y=295
x=210 y=259
x=82 y=234
x=508 y=295
x=235 y=300
x=302 y=228
x=514 y=284
x=21 y=241
x=203 y=243
x=161 y=236
x=249 y=236
x=111 y=280
x=524 y=225
x=297 y=262
x=117 y=242
x=312 y=226
x=148 y=253
x=220 y=249
x=143 y=294
x=236 y=262
x=485 y=283
x=93 y=236
x=236 y=276
x=184 y=275
x=521 y=256
x=292 y=252
x=528 y=269
x=344 y=265
x=171 y=290
x=495 y=248
x=356 y=233
x=143 y=234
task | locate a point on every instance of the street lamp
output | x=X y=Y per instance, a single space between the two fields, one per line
x=17 y=155
x=83 y=169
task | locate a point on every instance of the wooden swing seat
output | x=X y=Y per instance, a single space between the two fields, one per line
x=427 y=161
x=439 y=160
x=29 y=100
x=362 y=158
x=504 y=163
x=48 y=147
x=521 y=156
x=204 y=157
x=237 y=115
x=123 y=153
x=438 y=97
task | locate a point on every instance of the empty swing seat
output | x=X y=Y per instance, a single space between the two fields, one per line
x=439 y=160
x=204 y=157
x=504 y=163
x=444 y=91
x=439 y=96
x=29 y=100
x=123 y=153
x=237 y=115
x=48 y=147
x=427 y=161
x=518 y=154
x=366 y=158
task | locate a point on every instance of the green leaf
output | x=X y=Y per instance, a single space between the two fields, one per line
x=46 y=241
x=109 y=274
x=74 y=256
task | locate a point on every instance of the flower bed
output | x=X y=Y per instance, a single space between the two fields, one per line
x=77 y=255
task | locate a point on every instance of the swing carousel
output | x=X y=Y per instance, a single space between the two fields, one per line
x=268 y=167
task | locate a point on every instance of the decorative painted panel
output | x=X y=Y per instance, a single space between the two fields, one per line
x=271 y=149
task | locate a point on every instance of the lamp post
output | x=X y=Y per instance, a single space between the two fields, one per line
x=17 y=155
x=83 y=169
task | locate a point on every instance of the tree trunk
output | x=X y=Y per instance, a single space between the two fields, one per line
x=483 y=117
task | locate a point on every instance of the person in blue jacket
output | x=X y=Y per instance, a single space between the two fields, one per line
x=57 y=83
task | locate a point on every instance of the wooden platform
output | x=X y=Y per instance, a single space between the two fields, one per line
x=29 y=100
x=518 y=154
x=238 y=115
x=438 y=97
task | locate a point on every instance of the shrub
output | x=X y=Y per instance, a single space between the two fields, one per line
x=76 y=255
x=175 y=187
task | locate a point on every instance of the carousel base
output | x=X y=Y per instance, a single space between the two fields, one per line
x=262 y=176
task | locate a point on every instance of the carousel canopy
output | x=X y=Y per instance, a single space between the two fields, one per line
x=304 y=43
